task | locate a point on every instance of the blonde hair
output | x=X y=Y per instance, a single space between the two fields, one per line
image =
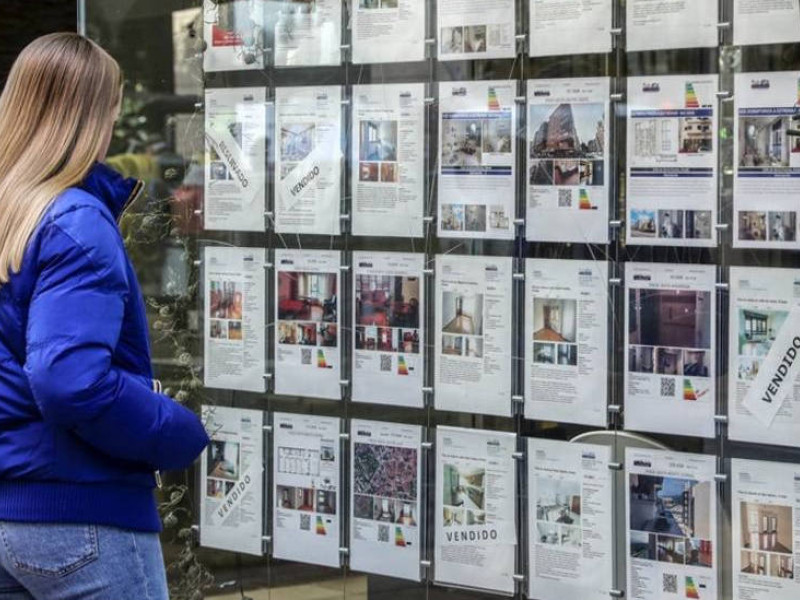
x=55 y=112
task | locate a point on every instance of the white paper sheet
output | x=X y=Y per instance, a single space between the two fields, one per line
x=474 y=29
x=385 y=499
x=670 y=348
x=308 y=323
x=672 y=160
x=477 y=157
x=234 y=348
x=387 y=31
x=473 y=334
x=307 y=489
x=567 y=158
x=235 y=165
x=570 y=509
x=560 y=27
x=232 y=480
x=671 y=525
x=308 y=33
x=388 y=164
x=566 y=347
x=231 y=32
x=389 y=337
x=766 y=501
x=475 y=509
x=766 y=179
x=766 y=22
x=660 y=25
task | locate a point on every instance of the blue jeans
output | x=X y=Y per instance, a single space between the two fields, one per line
x=79 y=562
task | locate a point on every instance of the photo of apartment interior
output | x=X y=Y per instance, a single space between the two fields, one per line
x=456 y=345
x=497 y=134
x=695 y=363
x=558 y=501
x=378 y=141
x=643 y=545
x=669 y=361
x=698 y=224
x=781 y=566
x=782 y=226
x=696 y=135
x=641 y=359
x=462 y=313
x=225 y=300
x=673 y=318
x=758 y=330
x=463 y=487
x=670 y=549
x=475 y=38
x=452 y=516
x=297 y=141
x=752 y=225
x=387 y=313
x=555 y=320
x=295 y=498
x=670 y=224
x=764 y=142
x=670 y=506
x=462 y=142
x=766 y=527
x=306 y=296
x=754 y=563
x=544 y=353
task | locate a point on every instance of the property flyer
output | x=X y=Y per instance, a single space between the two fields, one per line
x=232 y=480
x=308 y=322
x=671 y=533
x=766 y=180
x=760 y=22
x=232 y=32
x=387 y=31
x=477 y=154
x=473 y=29
x=566 y=329
x=567 y=158
x=560 y=27
x=766 y=533
x=764 y=303
x=308 y=33
x=659 y=25
x=472 y=370
x=307 y=507
x=389 y=337
x=388 y=163
x=308 y=161
x=571 y=541
x=671 y=315
x=385 y=500
x=234 y=345
x=672 y=160
x=475 y=533
x=235 y=165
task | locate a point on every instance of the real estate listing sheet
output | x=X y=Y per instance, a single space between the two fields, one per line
x=671 y=532
x=477 y=154
x=388 y=165
x=389 y=337
x=660 y=25
x=308 y=323
x=234 y=345
x=672 y=160
x=560 y=27
x=386 y=31
x=385 y=500
x=566 y=329
x=235 y=165
x=570 y=537
x=308 y=33
x=766 y=152
x=670 y=311
x=567 y=158
x=307 y=489
x=474 y=29
x=766 y=530
x=308 y=159
x=475 y=537
x=763 y=382
x=232 y=480
x=766 y=22
x=230 y=31
x=473 y=309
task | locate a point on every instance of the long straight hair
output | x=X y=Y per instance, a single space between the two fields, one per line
x=55 y=113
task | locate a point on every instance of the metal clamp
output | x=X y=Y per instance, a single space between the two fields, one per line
x=721 y=226
x=518 y=577
x=614 y=409
x=615 y=466
x=427 y=390
x=344 y=382
x=616 y=31
x=720 y=477
x=430 y=41
x=344 y=436
x=723 y=94
x=428 y=219
x=267 y=428
x=345 y=102
x=198 y=212
x=724 y=25
x=518 y=456
x=520 y=99
x=427 y=445
x=618 y=97
x=268 y=265
x=344 y=268
x=615 y=281
x=267 y=376
x=427 y=272
x=722 y=419
x=344 y=47
x=344 y=551
x=198 y=105
x=518 y=276
x=518 y=399
x=616 y=593
x=425 y=564
x=344 y=217
x=519 y=222
x=721 y=285
x=615 y=224
x=197 y=263
x=429 y=100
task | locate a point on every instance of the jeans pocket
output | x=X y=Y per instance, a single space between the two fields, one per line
x=49 y=550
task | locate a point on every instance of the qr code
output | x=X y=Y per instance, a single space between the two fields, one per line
x=383 y=533
x=305 y=522
x=386 y=362
x=564 y=198
x=670 y=583
x=305 y=356
x=667 y=387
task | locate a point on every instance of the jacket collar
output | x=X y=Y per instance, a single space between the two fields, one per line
x=106 y=184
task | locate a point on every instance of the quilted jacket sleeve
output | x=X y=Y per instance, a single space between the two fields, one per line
x=74 y=323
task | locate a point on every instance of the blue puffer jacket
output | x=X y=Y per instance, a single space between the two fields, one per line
x=81 y=429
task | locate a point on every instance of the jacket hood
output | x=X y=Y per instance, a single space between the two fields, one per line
x=112 y=188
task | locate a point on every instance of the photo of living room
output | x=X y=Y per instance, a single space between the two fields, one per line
x=225 y=300
x=307 y=296
x=752 y=225
x=462 y=141
x=452 y=217
x=463 y=487
x=670 y=506
x=558 y=501
x=387 y=313
x=764 y=142
x=672 y=318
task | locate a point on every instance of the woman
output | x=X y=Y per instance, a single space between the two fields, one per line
x=82 y=431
